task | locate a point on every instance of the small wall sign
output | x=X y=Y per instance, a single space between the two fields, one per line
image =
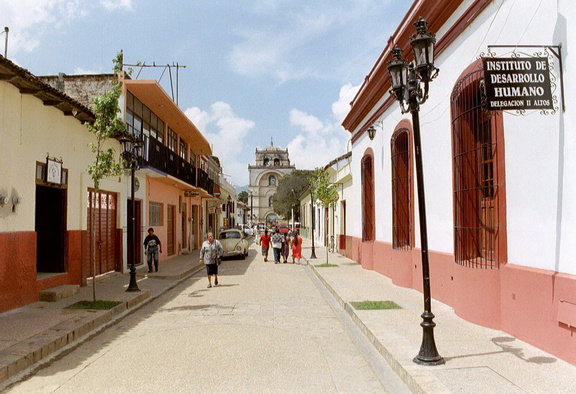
x=53 y=171
x=517 y=83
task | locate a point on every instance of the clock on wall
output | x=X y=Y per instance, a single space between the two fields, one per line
x=53 y=171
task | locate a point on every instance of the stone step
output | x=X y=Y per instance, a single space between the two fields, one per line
x=57 y=293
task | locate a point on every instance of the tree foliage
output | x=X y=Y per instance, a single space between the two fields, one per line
x=323 y=191
x=290 y=187
x=243 y=196
x=108 y=124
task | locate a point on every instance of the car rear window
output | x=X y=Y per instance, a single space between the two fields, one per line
x=230 y=234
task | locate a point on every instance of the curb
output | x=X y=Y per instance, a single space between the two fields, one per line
x=413 y=382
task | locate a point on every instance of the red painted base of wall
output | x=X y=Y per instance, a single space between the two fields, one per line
x=18 y=283
x=536 y=306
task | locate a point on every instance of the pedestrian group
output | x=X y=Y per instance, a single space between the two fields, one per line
x=281 y=246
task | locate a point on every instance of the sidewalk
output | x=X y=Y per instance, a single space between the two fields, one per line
x=38 y=331
x=478 y=359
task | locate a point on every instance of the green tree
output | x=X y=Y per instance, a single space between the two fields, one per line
x=323 y=191
x=290 y=187
x=107 y=125
x=243 y=196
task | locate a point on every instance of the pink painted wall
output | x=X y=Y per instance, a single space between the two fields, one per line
x=401 y=267
x=530 y=301
x=367 y=255
x=162 y=193
x=536 y=306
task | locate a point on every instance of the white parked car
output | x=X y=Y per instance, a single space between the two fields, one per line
x=248 y=231
x=234 y=243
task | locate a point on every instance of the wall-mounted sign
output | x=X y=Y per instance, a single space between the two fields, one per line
x=517 y=83
x=53 y=171
x=190 y=193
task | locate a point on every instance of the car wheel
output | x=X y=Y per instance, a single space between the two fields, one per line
x=242 y=256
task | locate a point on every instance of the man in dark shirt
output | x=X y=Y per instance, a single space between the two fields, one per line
x=151 y=244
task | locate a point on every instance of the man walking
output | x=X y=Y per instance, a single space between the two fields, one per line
x=210 y=252
x=277 y=240
x=151 y=245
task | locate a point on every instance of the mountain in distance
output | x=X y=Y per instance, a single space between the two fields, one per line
x=240 y=189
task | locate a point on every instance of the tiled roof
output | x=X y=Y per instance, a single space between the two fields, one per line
x=28 y=83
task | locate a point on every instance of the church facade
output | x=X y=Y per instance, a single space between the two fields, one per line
x=272 y=163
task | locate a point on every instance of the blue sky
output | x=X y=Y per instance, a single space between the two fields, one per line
x=255 y=70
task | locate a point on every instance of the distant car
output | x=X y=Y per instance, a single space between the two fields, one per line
x=283 y=228
x=234 y=243
x=248 y=231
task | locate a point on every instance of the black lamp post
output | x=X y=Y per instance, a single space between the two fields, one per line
x=228 y=209
x=407 y=80
x=251 y=209
x=313 y=255
x=131 y=153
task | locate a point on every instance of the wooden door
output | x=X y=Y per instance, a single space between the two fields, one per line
x=171 y=229
x=184 y=226
x=102 y=231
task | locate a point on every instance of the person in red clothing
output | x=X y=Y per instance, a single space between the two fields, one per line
x=296 y=247
x=265 y=243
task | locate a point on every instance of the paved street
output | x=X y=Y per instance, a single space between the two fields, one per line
x=265 y=328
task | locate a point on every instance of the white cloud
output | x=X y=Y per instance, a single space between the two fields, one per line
x=82 y=71
x=285 y=45
x=226 y=132
x=321 y=142
x=308 y=123
x=341 y=107
x=32 y=21
x=113 y=5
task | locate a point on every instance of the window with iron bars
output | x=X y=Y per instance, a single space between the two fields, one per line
x=479 y=200
x=368 y=214
x=402 y=216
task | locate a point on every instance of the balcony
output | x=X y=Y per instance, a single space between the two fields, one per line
x=158 y=156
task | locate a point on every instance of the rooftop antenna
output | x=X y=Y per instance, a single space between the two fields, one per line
x=6 y=30
x=165 y=67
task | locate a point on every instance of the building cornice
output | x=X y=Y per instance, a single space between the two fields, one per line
x=377 y=82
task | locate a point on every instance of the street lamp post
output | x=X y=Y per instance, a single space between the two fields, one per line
x=131 y=153
x=228 y=208
x=313 y=255
x=251 y=209
x=406 y=80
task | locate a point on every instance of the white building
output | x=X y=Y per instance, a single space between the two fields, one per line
x=272 y=163
x=500 y=186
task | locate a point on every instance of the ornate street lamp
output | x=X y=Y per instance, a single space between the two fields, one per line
x=313 y=254
x=251 y=209
x=228 y=209
x=371 y=132
x=131 y=153
x=410 y=84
